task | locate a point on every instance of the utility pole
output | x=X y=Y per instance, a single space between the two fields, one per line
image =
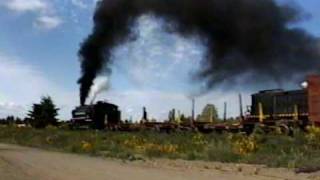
x=193 y=111
x=225 y=112
x=144 y=114
x=261 y=115
x=241 y=106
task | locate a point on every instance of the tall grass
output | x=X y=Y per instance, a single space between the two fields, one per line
x=301 y=150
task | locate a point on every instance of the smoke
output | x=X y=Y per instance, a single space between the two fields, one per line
x=251 y=39
x=100 y=84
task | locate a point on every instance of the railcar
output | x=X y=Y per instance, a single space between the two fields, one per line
x=286 y=108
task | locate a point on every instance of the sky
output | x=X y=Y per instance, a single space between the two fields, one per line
x=39 y=40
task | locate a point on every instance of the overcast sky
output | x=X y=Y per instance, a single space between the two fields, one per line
x=39 y=40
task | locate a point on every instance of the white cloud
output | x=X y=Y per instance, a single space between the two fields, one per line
x=10 y=108
x=45 y=15
x=80 y=3
x=22 y=85
x=25 y=5
x=47 y=22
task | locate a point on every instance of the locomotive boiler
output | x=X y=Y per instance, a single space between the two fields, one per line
x=96 y=116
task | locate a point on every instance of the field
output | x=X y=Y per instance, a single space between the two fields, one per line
x=274 y=150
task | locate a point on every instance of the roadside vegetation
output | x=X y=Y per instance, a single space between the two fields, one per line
x=42 y=130
x=274 y=150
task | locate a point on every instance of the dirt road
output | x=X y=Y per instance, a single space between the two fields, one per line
x=21 y=163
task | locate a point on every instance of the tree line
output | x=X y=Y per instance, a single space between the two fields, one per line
x=40 y=116
x=45 y=113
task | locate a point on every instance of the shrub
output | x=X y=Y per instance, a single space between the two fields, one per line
x=243 y=144
x=222 y=151
x=313 y=136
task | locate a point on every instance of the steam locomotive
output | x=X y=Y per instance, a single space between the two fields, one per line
x=96 y=116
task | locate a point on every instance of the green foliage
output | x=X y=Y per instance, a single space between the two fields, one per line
x=269 y=149
x=43 y=114
x=209 y=114
x=223 y=152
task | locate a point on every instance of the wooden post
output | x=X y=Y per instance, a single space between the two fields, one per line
x=225 y=112
x=295 y=113
x=261 y=115
x=241 y=108
x=211 y=116
x=193 y=112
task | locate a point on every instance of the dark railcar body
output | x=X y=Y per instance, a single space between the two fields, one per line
x=285 y=103
x=279 y=103
x=300 y=107
x=266 y=98
x=283 y=109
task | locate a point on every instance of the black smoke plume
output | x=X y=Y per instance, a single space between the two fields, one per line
x=254 y=38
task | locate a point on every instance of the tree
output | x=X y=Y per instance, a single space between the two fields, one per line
x=10 y=120
x=209 y=114
x=18 y=120
x=172 y=115
x=43 y=114
x=184 y=119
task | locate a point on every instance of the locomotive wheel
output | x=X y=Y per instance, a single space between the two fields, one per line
x=285 y=129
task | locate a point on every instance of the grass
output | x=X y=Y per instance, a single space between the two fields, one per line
x=302 y=150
